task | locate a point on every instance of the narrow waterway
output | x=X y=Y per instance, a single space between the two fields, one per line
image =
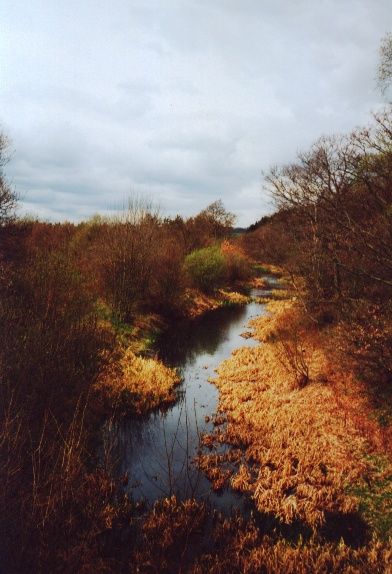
x=157 y=451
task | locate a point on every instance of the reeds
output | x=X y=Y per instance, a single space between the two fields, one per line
x=300 y=450
x=134 y=384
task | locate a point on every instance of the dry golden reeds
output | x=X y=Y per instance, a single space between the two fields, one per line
x=301 y=450
x=137 y=384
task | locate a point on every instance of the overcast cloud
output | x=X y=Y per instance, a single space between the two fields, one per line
x=186 y=101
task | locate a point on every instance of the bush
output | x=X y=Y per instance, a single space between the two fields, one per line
x=52 y=341
x=367 y=339
x=237 y=263
x=53 y=348
x=206 y=268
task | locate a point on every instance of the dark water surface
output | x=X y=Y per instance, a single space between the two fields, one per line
x=157 y=451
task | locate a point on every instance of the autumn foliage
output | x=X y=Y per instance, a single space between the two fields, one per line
x=332 y=234
x=73 y=299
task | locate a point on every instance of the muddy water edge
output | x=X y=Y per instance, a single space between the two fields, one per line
x=157 y=452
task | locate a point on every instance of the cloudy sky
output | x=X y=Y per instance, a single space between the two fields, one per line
x=185 y=101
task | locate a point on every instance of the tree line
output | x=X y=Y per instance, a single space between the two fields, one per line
x=333 y=231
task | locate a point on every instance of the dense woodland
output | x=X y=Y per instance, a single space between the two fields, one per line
x=72 y=295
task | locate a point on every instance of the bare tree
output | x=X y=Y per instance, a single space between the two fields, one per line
x=130 y=246
x=385 y=64
x=7 y=195
x=339 y=197
x=217 y=218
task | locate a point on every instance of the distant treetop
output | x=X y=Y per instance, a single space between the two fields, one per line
x=385 y=64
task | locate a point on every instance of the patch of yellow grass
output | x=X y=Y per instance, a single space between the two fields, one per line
x=264 y=327
x=246 y=552
x=199 y=303
x=233 y=297
x=272 y=269
x=138 y=384
x=301 y=447
x=258 y=283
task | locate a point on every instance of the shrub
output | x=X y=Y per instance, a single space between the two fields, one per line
x=52 y=350
x=237 y=264
x=206 y=267
x=293 y=353
x=367 y=339
x=167 y=283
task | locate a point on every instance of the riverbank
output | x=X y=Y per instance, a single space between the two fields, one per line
x=198 y=303
x=303 y=447
x=135 y=383
x=307 y=447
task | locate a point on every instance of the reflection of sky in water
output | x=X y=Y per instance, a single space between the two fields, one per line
x=157 y=451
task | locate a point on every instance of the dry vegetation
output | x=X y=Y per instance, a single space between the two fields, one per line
x=249 y=552
x=293 y=433
x=306 y=413
x=77 y=305
x=310 y=454
x=199 y=302
x=134 y=384
x=185 y=537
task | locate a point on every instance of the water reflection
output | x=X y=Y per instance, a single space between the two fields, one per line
x=157 y=451
x=186 y=340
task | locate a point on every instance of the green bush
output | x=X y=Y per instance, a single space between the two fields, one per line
x=206 y=268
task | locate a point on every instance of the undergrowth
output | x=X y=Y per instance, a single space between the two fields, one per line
x=311 y=453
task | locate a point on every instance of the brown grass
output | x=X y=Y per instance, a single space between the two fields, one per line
x=198 y=303
x=184 y=537
x=233 y=297
x=243 y=549
x=301 y=450
x=296 y=449
x=165 y=536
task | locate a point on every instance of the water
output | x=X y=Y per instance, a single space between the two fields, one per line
x=157 y=452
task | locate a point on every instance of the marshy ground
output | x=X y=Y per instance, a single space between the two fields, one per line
x=304 y=445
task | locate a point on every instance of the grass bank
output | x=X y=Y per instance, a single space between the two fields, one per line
x=133 y=383
x=307 y=448
x=198 y=302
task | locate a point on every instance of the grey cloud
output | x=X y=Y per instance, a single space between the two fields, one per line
x=185 y=101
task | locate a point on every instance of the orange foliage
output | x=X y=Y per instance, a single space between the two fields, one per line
x=300 y=448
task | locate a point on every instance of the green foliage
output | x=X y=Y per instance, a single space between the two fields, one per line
x=206 y=268
x=375 y=497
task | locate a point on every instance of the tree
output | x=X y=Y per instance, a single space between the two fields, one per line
x=385 y=64
x=221 y=219
x=129 y=251
x=217 y=219
x=7 y=195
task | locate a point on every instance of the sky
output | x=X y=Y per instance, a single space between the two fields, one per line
x=180 y=101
